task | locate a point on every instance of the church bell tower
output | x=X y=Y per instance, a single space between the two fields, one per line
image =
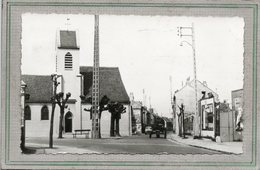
x=67 y=62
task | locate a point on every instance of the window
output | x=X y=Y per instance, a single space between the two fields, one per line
x=45 y=113
x=68 y=61
x=27 y=113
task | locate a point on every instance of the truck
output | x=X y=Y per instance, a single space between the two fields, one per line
x=157 y=127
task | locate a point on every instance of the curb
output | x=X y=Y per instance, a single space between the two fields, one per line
x=226 y=152
x=60 y=150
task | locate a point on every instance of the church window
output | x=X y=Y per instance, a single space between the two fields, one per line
x=27 y=113
x=68 y=61
x=45 y=113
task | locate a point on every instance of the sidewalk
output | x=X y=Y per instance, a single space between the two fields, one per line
x=57 y=149
x=227 y=147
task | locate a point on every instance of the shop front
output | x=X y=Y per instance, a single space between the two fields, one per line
x=209 y=118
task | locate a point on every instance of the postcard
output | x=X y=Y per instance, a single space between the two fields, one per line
x=129 y=85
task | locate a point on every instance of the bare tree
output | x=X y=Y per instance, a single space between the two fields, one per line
x=116 y=109
x=54 y=78
x=102 y=107
x=61 y=101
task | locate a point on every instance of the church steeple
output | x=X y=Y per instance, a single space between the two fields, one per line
x=67 y=60
x=68 y=40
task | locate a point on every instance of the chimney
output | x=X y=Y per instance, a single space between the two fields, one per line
x=131 y=96
x=188 y=81
x=205 y=83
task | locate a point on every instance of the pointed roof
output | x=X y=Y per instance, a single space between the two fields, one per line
x=203 y=86
x=111 y=83
x=200 y=85
x=40 y=86
x=68 y=40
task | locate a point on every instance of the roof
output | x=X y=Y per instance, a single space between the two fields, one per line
x=39 y=88
x=199 y=84
x=166 y=119
x=110 y=81
x=238 y=90
x=68 y=40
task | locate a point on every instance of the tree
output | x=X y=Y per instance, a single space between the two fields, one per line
x=62 y=103
x=102 y=107
x=116 y=109
x=54 y=78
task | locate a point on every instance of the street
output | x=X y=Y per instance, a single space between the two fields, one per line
x=133 y=144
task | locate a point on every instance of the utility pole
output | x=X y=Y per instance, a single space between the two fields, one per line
x=192 y=35
x=172 y=106
x=144 y=98
x=171 y=89
x=95 y=85
x=150 y=105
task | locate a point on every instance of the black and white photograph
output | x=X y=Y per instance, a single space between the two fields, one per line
x=131 y=84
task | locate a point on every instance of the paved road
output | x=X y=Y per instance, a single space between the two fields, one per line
x=132 y=144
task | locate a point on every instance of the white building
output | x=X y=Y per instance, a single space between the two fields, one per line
x=77 y=80
x=186 y=96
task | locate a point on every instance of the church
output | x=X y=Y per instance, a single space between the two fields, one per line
x=78 y=81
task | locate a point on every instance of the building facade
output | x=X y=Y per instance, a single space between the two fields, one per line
x=78 y=81
x=186 y=96
x=137 y=113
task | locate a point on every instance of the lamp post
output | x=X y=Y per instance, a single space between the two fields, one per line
x=192 y=35
x=82 y=97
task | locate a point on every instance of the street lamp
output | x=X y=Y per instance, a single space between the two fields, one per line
x=192 y=35
x=181 y=44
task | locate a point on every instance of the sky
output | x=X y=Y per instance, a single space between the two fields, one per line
x=146 y=49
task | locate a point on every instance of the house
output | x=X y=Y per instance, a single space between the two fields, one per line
x=137 y=113
x=142 y=117
x=186 y=96
x=112 y=86
x=77 y=80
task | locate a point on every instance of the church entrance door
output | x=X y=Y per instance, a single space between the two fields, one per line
x=68 y=122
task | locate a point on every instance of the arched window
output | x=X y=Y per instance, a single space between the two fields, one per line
x=44 y=113
x=27 y=113
x=68 y=63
